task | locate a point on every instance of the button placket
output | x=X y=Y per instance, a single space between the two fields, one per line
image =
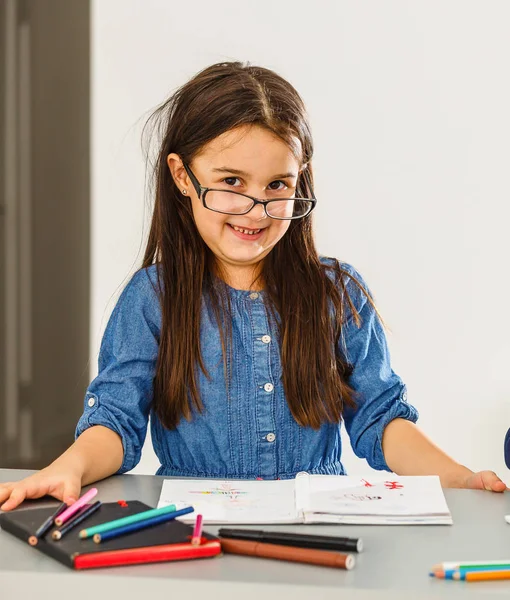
x=267 y=466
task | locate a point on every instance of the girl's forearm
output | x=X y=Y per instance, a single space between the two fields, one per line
x=408 y=451
x=96 y=454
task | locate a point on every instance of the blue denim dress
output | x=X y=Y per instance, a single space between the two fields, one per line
x=246 y=429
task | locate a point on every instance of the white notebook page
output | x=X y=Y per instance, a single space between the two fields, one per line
x=232 y=501
x=376 y=495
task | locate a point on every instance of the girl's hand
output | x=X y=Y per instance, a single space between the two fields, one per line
x=485 y=480
x=59 y=481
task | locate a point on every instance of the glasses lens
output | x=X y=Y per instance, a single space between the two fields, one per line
x=233 y=203
x=227 y=202
x=289 y=209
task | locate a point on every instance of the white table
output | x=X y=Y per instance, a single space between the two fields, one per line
x=394 y=565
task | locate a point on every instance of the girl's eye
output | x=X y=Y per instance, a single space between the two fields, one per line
x=277 y=186
x=232 y=181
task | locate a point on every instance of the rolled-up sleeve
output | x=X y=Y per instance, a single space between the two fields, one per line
x=381 y=395
x=120 y=396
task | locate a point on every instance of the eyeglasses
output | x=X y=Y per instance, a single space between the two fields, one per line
x=229 y=202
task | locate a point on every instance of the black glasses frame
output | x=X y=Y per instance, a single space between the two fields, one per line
x=202 y=194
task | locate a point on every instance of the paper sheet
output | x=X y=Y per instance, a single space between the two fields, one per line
x=221 y=501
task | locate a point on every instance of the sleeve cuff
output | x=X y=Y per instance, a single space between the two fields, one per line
x=95 y=414
x=399 y=410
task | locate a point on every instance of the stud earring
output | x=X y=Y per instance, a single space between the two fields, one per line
x=184 y=192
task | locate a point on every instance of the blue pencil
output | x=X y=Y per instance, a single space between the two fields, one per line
x=78 y=518
x=108 y=535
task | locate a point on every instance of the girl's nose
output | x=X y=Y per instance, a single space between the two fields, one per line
x=257 y=213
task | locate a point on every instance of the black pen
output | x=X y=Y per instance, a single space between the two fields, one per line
x=300 y=540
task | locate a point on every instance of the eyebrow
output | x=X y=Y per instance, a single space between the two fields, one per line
x=245 y=174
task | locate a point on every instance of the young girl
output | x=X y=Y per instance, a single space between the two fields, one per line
x=244 y=346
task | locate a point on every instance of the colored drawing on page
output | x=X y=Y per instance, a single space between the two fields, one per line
x=357 y=497
x=224 y=491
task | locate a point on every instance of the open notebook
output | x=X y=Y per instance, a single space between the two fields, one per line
x=376 y=500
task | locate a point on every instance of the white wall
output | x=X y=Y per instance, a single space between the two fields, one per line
x=409 y=106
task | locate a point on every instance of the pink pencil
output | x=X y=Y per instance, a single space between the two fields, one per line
x=75 y=507
x=197 y=532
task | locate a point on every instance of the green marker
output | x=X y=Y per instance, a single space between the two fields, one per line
x=148 y=514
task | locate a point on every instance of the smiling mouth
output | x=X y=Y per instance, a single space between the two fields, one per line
x=245 y=230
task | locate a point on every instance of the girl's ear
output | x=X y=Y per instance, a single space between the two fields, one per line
x=178 y=172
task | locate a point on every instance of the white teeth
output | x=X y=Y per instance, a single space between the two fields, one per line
x=247 y=231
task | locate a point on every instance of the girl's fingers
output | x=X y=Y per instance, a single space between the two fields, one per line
x=36 y=490
x=497 y=485
x=5 y=491
x=16 y=498
x=17 y=492
x=71 y=493
x=12 y=494
x=491 y=482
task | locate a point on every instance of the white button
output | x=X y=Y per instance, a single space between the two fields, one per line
x=404 y=396
x=91 y=402
x=270 y=437
x=269 y=387
x=266 y=339
x=254 y=295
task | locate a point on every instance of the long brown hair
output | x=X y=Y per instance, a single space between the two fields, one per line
x=307 y=301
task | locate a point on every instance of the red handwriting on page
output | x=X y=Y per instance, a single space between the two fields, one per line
x=393 y=485
x=366 y=483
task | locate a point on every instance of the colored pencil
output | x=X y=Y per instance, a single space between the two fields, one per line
x=482 y=575
x=197 y=531
x=78 y=518
x=451 y=573
x=47 y=525
x=75 y=507
x=109 y=525
x=108 y=535
x=467 y=563
x=447 y=570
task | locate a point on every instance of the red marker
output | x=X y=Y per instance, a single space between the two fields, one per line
x=149 y=554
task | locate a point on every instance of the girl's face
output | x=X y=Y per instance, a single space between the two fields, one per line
x=248 y=160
